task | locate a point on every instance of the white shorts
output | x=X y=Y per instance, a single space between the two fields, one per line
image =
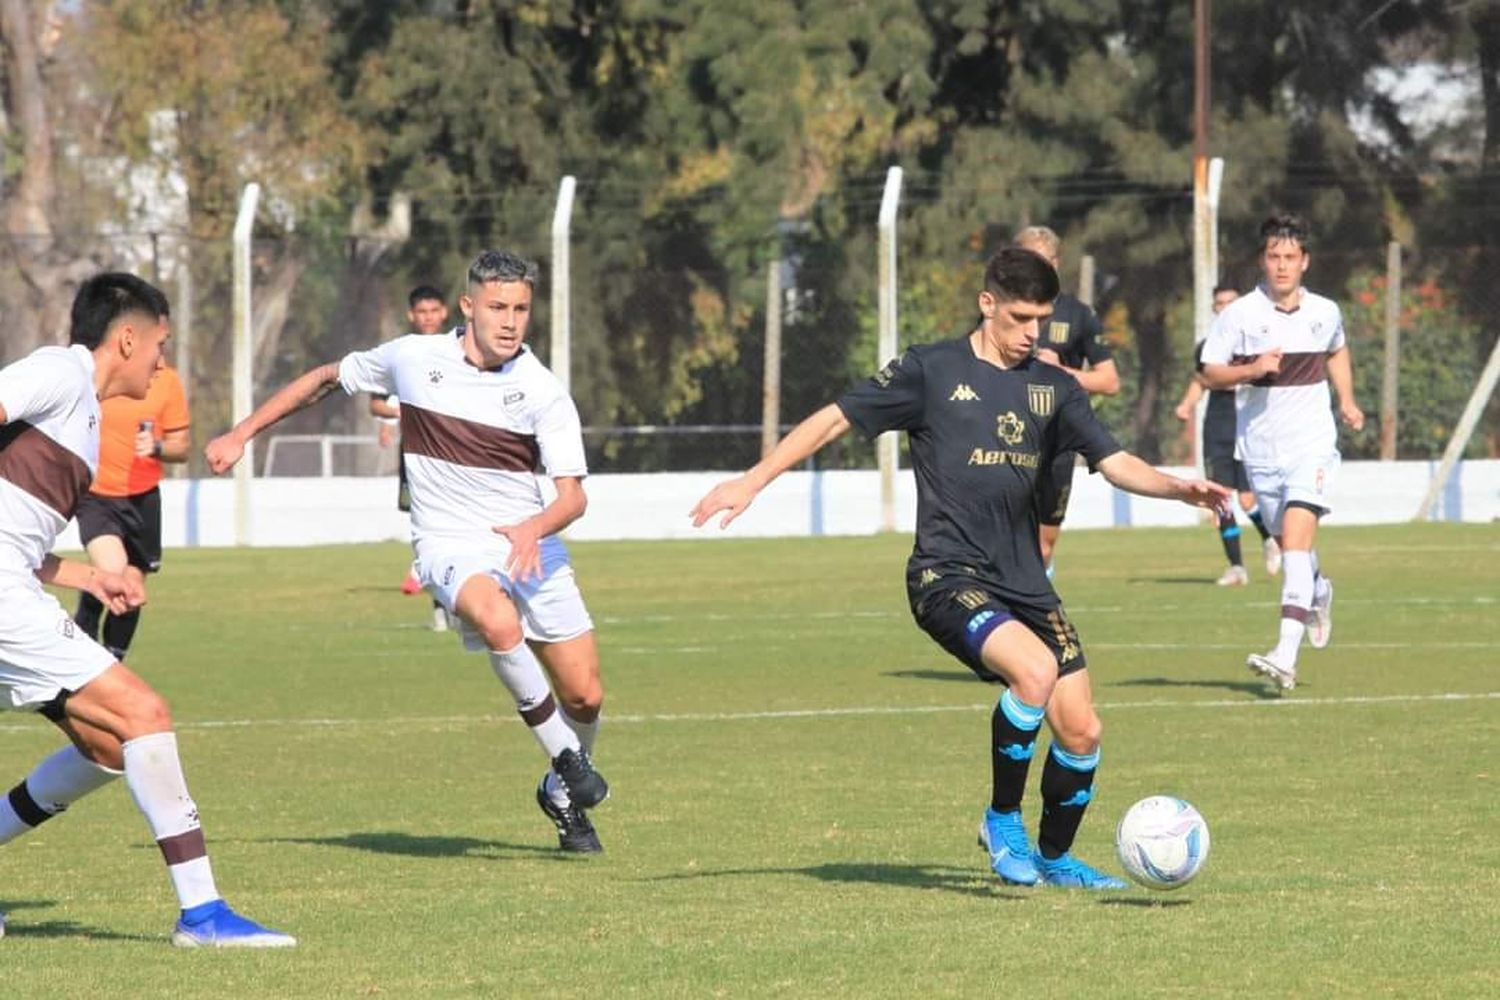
x=551 y=606
x=42 y=653
x=1309 y=481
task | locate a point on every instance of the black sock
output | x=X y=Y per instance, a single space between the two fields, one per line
x=1067 y=787
x=1229 y=534
x=1013 y=730
x=119 y=630
x=87 y=615
x=1260 y=524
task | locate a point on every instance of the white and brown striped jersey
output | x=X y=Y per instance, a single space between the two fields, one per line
x=1288 y=416
x=475 y=440
x=49 y=450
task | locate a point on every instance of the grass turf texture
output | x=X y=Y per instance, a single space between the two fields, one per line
x=797 y=777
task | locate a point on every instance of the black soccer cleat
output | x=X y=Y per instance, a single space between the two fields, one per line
x=586 y=786
x=575 y=832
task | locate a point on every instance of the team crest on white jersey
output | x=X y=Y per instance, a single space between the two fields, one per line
x=1040 y=398
x=963 y=394
x=512 y=400
x=1010 y=428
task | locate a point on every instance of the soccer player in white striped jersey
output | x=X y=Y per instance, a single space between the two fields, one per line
x=1283 y=345
x=481 y=420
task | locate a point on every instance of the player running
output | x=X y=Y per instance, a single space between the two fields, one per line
x=49 y=450
x=984 y=418
x=480 y=418
x=1283 y=345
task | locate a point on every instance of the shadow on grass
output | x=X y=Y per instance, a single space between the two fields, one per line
x=423 y=846
x=1152 y=903
x=58 y=928
x=934 y=675
x=1260 y=689
x=966 y=881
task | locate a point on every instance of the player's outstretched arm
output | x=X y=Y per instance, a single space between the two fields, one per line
x=226 y=449
x=1133 y=475
x=803 y=441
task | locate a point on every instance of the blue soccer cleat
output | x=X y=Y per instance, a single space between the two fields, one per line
x=215 y=925
x=1004 y=836
x=1068 y=872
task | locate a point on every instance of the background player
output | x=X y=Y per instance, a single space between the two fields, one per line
x=427 y=312
x=1222 y=467
x=49 y=445
x=1282 y=345
x=119 y=519
x=984 y=418
x=480 y=416
x=1070 y=341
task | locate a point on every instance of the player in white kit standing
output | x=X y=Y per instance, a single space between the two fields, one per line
x=1284 y=345
x=481 y=420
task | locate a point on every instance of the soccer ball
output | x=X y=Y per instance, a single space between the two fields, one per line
x=1162 y=842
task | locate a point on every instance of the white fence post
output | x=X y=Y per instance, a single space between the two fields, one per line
x=244 y=351
x=562 y=282
x=888 y=447
x=1473 y=410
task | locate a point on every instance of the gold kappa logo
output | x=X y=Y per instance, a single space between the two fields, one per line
x=963 y=394
x=1040 y=398
x=1009 y=428
x=1057 y=332
x=928 y=578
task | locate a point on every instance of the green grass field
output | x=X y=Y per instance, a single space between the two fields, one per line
x=797 y=777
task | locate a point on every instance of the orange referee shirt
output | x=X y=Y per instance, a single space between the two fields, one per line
x=123 y=473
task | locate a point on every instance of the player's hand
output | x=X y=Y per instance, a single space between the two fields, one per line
x=1206 y=493
x=1048 y=356
x=1268 y=363
x=386 y=435
x=1353 y=416
x=1183 y=412
x=731 y=496
x=145 y=443
x=525 y=559
x=116 y=591
x=222 y=452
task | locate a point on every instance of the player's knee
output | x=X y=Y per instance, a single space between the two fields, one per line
x=1080 y=735
x=584 y=704
x=147 y=712
x=1033 y=682
x=500 y=631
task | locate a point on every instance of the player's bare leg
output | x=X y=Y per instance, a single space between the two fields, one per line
x=573 y=665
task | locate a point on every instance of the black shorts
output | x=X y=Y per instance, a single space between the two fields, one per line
x=1226 y=470
x=959 y=613
x=135 y=520
x=1053 y=487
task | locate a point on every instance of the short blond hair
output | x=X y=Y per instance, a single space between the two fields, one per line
x=1040 y=239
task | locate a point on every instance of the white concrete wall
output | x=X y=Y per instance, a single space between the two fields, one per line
x=345 y=509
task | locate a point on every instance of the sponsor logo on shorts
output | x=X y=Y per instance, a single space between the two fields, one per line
x=929 y=576
x=978 y=621
x=448 y=576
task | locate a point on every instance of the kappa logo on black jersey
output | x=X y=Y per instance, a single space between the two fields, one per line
x=963 y=394
x=1040 y=399
x=434 y=376
x=1010 y=428
x=1058 y=332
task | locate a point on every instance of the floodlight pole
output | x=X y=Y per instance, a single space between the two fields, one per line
x=244 y=351
x=562 y=282
x=887 y=449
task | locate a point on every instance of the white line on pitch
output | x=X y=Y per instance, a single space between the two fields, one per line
x=823 y=713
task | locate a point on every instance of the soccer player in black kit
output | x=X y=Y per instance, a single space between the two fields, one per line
x=984 y=418
x=1070 y=339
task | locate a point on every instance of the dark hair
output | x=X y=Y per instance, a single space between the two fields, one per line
x=1284 y=226
x=1015 y=274
x=1225 y=288
x=501 y=265
x=104 y=298
x=424 y=293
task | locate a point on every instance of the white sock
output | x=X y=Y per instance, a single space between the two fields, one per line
x=58 y=782
x=153 y=771
x=522 y=675
x=1296 y=602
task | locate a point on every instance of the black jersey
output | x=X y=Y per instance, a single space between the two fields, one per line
x=980 y=436
x=1218 y=415
x=1074 y=333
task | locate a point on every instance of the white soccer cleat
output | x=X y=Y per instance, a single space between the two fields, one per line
x=439 y=620
x=1234 y=576
x=1320 y=626
x=1272 y=552
x=1284 y=677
